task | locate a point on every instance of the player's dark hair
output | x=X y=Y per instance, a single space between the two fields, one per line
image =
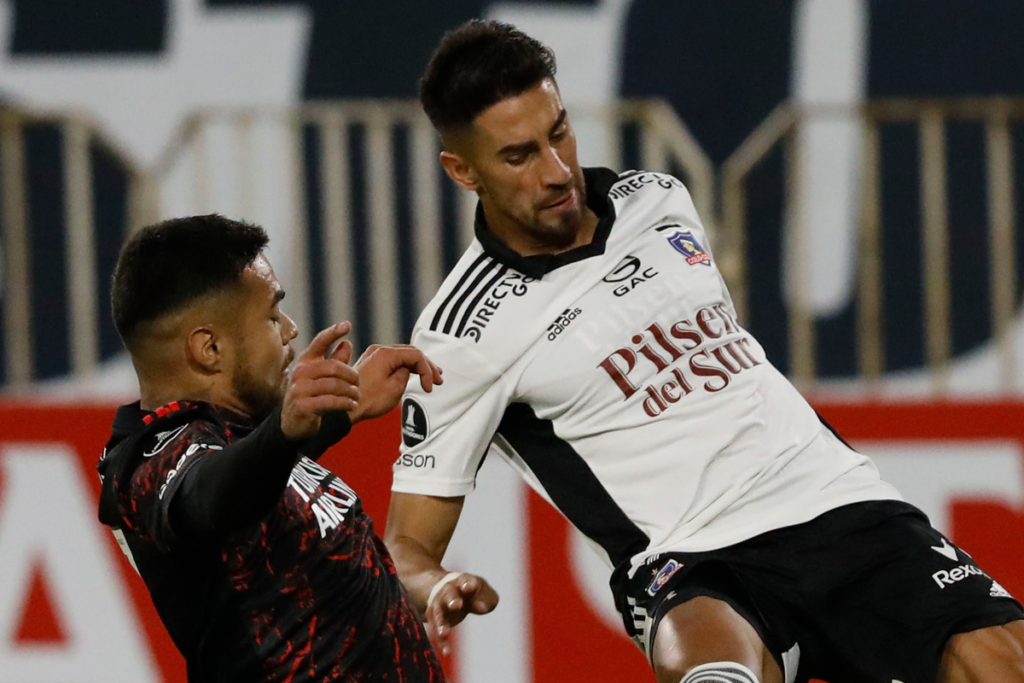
x=165 y=266
x=477 y=65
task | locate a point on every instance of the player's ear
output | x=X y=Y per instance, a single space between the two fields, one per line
x=205 y=349
x=459 y=170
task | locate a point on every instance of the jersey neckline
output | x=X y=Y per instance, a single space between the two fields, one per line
x=598 y=182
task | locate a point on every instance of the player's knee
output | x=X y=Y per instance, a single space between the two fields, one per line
x=702 y=631
x=993 y=655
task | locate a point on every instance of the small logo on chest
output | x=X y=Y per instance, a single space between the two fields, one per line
x=563 y=321
x=628 y=275
x=686 y=244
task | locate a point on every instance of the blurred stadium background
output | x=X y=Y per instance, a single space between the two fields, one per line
x=858 y=161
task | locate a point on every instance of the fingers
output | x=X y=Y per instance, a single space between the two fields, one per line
x=326 y=403
x=439 y=629
x=343 y=353
x=327 y=386
x=435 y=372
x=315 y=369
x=467 y=594
x=322 y=342
x=412 y=359
x=444 y=614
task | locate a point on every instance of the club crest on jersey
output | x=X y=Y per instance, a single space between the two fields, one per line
x=666 y=572
x=686 y=244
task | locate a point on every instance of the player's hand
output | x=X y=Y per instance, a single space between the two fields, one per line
x=322 y=381
x=383 y=375
x=467 y=594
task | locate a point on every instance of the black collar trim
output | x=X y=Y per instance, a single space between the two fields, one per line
x=598 y=181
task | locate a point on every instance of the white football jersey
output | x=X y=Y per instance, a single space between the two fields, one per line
x=617 y=381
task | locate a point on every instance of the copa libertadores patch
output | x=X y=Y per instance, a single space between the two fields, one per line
x=414 y=423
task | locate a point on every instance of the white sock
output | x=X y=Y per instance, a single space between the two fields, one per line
x=720 y=672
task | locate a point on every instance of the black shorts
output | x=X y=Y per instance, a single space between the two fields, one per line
x=866 y=593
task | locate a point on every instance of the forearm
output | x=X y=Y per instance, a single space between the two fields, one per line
x=417 y=535
x=237 y=486
x=334 y=426
x=418 y=569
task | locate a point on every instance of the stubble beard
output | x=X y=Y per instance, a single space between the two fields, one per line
x=559 y=234
x=259 y=399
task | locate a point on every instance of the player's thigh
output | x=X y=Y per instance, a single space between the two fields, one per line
x=987 y=655
x=703 y=630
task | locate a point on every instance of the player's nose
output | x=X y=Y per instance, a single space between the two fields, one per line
x=554 y=169
x=289 y=330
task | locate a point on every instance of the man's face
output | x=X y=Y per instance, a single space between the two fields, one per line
x=262 y=341
x=522 y=152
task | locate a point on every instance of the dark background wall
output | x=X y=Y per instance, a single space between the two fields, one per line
x=723 y=64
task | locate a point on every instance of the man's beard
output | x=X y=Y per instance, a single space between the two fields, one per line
x=560 y=235
x=259 y=399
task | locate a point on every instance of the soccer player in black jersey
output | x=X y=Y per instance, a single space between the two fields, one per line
x=750 y=544
x=261 y=563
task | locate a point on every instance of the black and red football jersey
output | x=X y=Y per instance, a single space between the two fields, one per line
x=309 y=593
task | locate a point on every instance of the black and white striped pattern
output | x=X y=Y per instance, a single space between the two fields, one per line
x=457 y=308
x=720 y=672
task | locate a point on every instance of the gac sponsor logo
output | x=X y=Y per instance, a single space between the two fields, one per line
x=628 y=275
x=945 y=578
x=415 y=461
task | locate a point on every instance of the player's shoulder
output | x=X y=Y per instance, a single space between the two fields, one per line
x=176 y=433
x=630 y=189
x=480 y=295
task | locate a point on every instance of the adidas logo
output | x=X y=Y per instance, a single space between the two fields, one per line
x=998 y=591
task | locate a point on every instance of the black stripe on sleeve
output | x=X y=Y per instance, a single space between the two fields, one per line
x=455 y=290
x=571 y=484
x=453 y=312
x=476 y=300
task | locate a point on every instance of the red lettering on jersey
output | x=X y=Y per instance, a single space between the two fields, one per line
x=704 y=318
x=618 y=376
x=709 y=371
x=683 y=330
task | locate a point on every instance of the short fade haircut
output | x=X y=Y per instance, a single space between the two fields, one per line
x=171 y=264
x=478 y=65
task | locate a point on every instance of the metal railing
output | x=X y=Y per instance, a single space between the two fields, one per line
x=79 y=137
x=228 y=148
x=321 y=134
x=783 y=127
x=316 y=136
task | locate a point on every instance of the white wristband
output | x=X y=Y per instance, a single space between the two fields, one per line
x=449 y=577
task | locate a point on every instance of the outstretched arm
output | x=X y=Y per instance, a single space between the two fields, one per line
x=418 y=531
x=243 y=481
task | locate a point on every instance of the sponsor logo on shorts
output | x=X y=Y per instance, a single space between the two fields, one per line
x=997 y=591
x=945 y=578
x=666 y=572
x=946 y=550
x=414 y=423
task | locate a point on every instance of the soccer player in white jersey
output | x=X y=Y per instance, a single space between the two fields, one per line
x=589 y=339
